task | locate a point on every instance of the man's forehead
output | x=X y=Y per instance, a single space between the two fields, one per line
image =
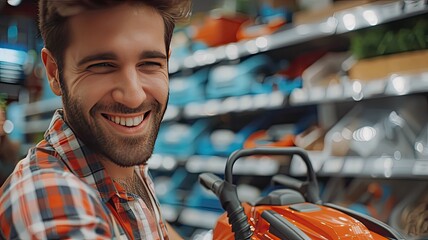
x=115 y=29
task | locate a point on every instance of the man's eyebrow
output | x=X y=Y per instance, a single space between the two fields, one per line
x=97 y=57
x=152 y=54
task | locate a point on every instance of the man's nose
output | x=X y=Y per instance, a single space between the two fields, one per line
x=129 y=89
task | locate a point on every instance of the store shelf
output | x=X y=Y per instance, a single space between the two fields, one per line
x=341 y=22
x=244 y=103
x=370 y=167
x=394 y=85
x=232 y=51
x=377 y=13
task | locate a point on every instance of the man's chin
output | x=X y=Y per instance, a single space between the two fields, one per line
x=127 y=164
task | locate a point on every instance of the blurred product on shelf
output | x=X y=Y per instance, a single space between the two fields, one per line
x=275 y=136
x=299 y=64
x=175 y=191
x=387 y=130
x=239 y=79
x=269 y=20
x=281 y=83
x=251 y=29
x=375 y=139
x=383 y=40
x=385 y=66
x=188 y=89
x=183 y=47
x=326 y=71
x=311 y=139
x=280 y=135
x=219 y=28
x=222 y=142
x=9 y=150
x=180 y=139
x=201 y=198
x=383 y=50
x=239 y=20
x=317 y=11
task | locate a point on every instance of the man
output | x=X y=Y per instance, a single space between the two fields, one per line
x=88 y=178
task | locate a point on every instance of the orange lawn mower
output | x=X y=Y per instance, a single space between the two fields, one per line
x=294 y=212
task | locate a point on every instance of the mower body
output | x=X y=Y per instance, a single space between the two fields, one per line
x=315 y=221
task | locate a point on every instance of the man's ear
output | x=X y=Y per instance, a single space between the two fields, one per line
x=52 y=71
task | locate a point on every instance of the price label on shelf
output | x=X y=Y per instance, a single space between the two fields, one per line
x=333 y=165
x=317 y=93
x=334 y=91
x=353 y=166
x=382 y=167
x=420 y=168
x=299 y=95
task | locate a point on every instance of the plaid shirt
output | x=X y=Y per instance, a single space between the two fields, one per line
x=61 y=190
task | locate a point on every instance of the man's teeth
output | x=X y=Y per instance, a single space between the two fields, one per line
x=129 y=122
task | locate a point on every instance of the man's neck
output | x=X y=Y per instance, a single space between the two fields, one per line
x=115 y=171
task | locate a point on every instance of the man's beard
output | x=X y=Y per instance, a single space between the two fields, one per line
x=123 y=151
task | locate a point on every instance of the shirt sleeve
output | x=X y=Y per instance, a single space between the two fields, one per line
x=52 y=205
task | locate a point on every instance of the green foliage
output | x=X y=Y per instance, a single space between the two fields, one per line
x=384 y=40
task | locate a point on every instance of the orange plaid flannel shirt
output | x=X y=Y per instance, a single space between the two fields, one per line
x=60 y=190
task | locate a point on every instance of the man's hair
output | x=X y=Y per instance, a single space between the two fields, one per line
x=53 y=15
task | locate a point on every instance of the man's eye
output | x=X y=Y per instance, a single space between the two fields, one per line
x=151 y=65
x=101 y=67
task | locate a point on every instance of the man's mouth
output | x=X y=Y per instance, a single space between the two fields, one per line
x=127 y=121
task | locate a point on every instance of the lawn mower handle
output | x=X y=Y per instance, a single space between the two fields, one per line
x=312 y=184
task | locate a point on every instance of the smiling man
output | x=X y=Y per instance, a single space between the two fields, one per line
x=88 y=178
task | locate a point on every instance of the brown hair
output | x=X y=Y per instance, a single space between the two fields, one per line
x=53 y=15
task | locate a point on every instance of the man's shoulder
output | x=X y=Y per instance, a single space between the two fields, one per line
x=46 y=192
x=41 y=175
x=40 y=161
x=38 y=173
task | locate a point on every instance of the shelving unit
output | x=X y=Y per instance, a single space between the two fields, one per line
x=328 y=101
x=341 y=22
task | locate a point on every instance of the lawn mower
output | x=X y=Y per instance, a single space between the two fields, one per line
x=294 y=211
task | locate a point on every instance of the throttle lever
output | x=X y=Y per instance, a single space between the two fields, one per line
x=289 y=182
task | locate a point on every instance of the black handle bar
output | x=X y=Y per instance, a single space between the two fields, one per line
x=313 y=190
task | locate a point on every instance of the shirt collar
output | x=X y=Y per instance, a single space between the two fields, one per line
x=82 y=161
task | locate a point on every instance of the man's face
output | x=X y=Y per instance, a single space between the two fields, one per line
x=116 y=81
